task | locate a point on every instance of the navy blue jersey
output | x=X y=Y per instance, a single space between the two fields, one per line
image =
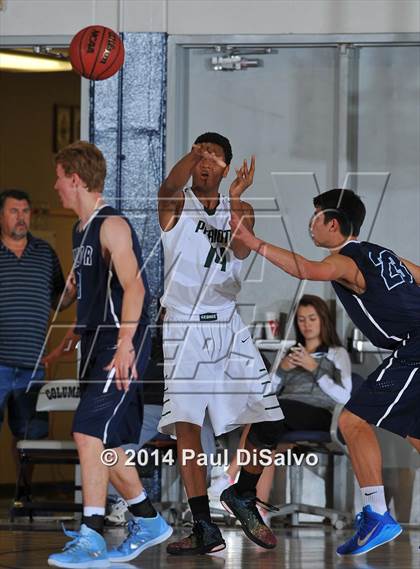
x=390 y=308
x=99 y=292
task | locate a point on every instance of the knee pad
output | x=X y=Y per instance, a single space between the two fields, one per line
x=267 y=435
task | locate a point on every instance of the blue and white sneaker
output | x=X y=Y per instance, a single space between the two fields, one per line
x=142 y=533
x=373 y=530
x=87 y=550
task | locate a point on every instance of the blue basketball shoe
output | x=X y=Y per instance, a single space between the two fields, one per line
x=373 y=530
x=87 y=550
x=142 y=533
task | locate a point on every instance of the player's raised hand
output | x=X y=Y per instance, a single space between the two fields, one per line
x=244 y=178
x=205 y=153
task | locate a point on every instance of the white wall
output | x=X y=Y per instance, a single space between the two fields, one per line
x=65 y=17
x=292 y=16
x=282 y=111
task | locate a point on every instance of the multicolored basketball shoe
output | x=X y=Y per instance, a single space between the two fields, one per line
x=86 y=550
x=205 y=538
x=142 y=533
x=373 y=530
x=244 y=508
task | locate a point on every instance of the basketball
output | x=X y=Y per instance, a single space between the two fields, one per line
x=96 y=52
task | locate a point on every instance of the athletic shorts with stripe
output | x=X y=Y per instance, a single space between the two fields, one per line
x=390 y=396
x=211 y=364
x=104 y=412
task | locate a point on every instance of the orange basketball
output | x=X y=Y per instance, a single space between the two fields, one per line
x=96 y=52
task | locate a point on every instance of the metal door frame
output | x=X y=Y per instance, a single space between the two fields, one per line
x=345 y=143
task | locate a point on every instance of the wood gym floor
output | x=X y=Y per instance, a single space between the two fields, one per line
x=25 y=546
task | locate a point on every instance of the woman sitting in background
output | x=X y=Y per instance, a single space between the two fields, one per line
x=315 y=376
x=316 y=373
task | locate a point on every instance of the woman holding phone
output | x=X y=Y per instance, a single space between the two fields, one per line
x=315 y=375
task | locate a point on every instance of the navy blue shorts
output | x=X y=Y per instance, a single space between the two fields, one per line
x=104 y=412
x=390 y=396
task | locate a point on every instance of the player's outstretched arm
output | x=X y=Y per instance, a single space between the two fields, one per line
x=180 y=174
x=334 y=267
x=244 y=211
x=116 y=240
x=170 y=196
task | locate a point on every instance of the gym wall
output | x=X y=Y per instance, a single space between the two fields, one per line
x=49 y=17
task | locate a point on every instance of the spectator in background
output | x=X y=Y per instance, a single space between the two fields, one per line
x=31 y=284
x=315 y=375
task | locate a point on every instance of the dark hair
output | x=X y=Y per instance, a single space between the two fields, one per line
x=86 y=160
x=329 y=336
x=215 y=138
x=345 y=206
x=15 y=194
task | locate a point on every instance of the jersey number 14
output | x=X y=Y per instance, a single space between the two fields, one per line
x=213 y=256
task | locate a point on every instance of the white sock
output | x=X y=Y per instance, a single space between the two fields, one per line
x=93 y=511
x=374 y=496
x=137 y=499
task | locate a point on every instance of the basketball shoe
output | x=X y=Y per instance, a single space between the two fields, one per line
x=244 y=508
x=86 y=550
x=205 y=538
x=373 y=530
x=142 y=533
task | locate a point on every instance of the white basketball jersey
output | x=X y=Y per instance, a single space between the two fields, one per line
x=201 y=272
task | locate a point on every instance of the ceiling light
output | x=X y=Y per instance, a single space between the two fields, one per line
x=12 y=61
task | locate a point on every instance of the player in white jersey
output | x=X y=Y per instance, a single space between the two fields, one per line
x=211 y=364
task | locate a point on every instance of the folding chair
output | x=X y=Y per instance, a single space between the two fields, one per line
x=328 y=443
x=55 y=396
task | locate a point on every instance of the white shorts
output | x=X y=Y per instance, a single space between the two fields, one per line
x=212 y=364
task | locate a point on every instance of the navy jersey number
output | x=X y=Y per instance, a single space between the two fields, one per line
x=393 y=272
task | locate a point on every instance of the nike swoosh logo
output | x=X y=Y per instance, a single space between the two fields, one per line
x=363 y=541
x=370 y=493
x=245 y=339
